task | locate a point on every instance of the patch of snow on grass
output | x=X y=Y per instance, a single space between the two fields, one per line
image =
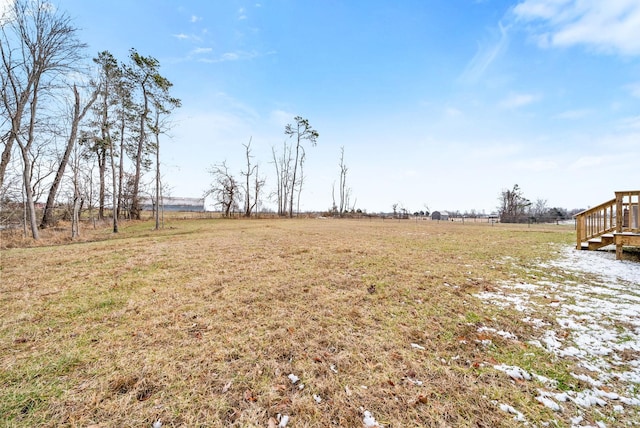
x=513 y=371
x=509 y=409
x=593 y=301
x=546 y=400
x=369 y=420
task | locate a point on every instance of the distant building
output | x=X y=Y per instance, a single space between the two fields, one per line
x=437 y=215
x=176 y=204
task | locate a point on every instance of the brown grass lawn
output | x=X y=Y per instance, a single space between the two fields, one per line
x=201 y=323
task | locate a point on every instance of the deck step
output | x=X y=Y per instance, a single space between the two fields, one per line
x=600 y=241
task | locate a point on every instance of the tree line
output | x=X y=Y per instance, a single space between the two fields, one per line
x=64 y=115
x=514 y=207
x=288 y=164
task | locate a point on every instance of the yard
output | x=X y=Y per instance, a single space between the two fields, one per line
x=319 y=322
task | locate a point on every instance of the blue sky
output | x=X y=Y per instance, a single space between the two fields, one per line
x=442 y=103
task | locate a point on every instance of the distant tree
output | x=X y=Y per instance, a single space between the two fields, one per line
x=557 y=213
x=513 y=205
x=258 y=184
x=539 y=210
x=250 y=175
x=345 y=192
x=300 y=131
x=224 y=188
x=282 y=162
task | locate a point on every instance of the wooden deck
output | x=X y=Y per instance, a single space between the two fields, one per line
x=613 y=222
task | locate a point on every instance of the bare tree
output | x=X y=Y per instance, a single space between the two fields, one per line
x=247 y=174
x=300 y=131
x=282 y=164
x=224 y=188
x=539 y=209
x=78 y=113
x=38 y=45
x=258 y=184
x=513 y=205
x=345 y=192
x=249 y=202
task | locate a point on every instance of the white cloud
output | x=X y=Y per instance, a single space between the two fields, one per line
x=195 y=18
x=515 y=100
x=574 y=114
x=634 y=88
x=191 y=37
x=281 y=118
x=587 y=162
x=242 y=14
x=230 y=56
x=199 y=51
x=235 y=56
x=608 y=26
x=630 y=123
x=485 y=56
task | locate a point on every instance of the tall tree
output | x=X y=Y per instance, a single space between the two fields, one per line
x=301 y=131
x=125 y=117
x=37 y=47
x=258 y=184
x=163 y=104
x=282 y=163
x=345 y=192
x=110 y=78
x=152 y=87
x=77 y=114
x=251 y=169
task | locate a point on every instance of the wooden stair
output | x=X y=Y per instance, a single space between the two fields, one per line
x=613 y=222
x=599 y=242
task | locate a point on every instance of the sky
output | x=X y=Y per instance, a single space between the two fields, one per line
x=440 y=103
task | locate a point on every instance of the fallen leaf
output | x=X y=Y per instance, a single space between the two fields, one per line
x=226 y=387
x=272 y=423
x=248 y=396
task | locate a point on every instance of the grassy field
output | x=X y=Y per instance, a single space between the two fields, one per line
x=201 y=324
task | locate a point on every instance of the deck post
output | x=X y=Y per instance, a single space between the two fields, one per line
x=579 y=229
x=619 y=224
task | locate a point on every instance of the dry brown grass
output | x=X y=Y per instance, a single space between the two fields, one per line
x=199 y=324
